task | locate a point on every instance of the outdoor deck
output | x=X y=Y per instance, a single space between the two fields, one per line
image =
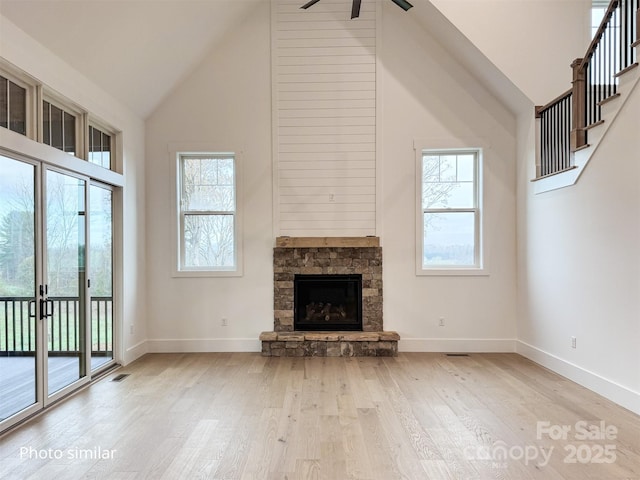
x=18 y=383
x=18 y=345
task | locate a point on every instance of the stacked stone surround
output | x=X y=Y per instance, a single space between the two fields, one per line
x=329 y=344
x=328 y=256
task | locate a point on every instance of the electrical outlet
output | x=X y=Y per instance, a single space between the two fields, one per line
x=131 y=329
x=573 y=342
x=224 y=322
x=441 y=322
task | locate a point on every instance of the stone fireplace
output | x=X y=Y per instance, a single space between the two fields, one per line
x=326 y=259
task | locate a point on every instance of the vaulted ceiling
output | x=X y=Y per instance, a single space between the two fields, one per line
x=136 y=50
x=139 y=50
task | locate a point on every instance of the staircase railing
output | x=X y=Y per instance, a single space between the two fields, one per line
x=564 y=122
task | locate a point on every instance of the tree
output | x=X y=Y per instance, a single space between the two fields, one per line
x=17 y=253
x=208 y=203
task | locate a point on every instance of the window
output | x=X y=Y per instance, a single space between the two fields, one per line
x=64 y=125
x=450 y=210
x=58 y=128
x=13 y=106
x=99 y=147
x=598 y=9
x=208 y=223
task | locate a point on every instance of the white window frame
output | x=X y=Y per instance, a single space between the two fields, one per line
x=79 y=127
x=31 y=86
x=178 y=269
x=113 y=134
x=479 y=267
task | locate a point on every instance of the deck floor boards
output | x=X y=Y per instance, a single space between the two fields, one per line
x=18 y=384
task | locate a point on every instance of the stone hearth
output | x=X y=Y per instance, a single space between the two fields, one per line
x=328 y=256
x=329 y=344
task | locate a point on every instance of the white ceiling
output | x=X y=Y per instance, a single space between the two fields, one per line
x=136 y=50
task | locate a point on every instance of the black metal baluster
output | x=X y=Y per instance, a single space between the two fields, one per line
x=98 y=324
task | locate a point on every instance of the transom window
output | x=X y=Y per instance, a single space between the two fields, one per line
x=208 y=213
x=450 y=214
x=58 y=128
x=13 y=106
x=99 y=147
x=57 y=122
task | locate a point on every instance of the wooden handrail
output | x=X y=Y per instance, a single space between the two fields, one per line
x=594 y=82
x=598 y=36
x=540 y=109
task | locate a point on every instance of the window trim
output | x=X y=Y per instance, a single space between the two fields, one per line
x=30 y=85
x=176 y=153
x=91 y=122
x=480 y=267
x=80 y=120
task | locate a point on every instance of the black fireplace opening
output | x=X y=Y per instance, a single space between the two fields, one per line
x=327 y=302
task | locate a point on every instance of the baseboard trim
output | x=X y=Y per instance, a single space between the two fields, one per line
x=134 y=352
x=223 y=345
x=615 y=392
x=461 y=345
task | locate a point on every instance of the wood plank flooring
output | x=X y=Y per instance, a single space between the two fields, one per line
x=243 y=416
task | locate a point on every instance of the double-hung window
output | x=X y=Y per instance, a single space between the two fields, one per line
x=450 y=210
x=208 y=220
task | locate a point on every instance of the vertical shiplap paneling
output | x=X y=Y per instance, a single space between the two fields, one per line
x=325 y=118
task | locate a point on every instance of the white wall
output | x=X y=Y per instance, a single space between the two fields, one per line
x=425 y=95
x=532 y=41
x=579 y=273
x=33 y=58
x=428 y=98
x=225 y=104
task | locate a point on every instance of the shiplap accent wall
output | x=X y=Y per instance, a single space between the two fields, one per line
x=324 y=104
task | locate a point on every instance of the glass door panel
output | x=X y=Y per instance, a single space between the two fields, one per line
x=64 y=302
x=101 y=287
x=18 y=324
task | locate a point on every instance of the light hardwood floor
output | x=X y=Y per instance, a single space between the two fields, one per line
x=243 y=416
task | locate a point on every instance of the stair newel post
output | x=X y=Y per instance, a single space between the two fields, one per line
x=578 y=122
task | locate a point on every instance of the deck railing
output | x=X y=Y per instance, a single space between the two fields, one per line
x=18 y=326
x=595 y=80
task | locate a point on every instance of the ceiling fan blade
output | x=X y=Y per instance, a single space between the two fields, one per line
x=403 y=4
x=355 y=9
x=309 y=4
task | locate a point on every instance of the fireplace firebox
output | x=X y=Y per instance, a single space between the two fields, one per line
x=327 y=302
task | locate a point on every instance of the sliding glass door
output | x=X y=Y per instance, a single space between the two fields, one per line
x=18 y=308
x=64 y=298
x=56 y=320
x=101 y=287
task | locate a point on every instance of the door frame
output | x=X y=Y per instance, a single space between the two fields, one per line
x=43 y=158
x=44 y=322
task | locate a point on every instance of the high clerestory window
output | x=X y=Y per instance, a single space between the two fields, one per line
x=13 y=106
x=100 y=146
x=55 y=121
x=598 y=9
x=58 y=128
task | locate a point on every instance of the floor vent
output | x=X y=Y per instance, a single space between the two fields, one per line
x=457 y=354
x=119 y=378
